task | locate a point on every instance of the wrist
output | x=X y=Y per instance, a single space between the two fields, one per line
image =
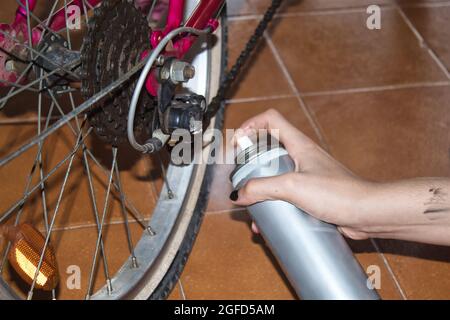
x=366 y=209
x=375 y=212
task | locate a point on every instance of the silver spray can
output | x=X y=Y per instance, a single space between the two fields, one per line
x=313 y=254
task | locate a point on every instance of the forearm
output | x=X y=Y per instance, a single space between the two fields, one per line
x=415 y=210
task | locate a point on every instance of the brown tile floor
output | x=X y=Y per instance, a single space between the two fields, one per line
x=379 y=101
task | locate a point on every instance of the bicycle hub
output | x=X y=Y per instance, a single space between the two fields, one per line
x=185 y=112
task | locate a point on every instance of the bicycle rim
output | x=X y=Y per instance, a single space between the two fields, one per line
x=174 y=208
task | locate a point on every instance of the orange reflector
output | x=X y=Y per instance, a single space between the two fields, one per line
x=27 y=244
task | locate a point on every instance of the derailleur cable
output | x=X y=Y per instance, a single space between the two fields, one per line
x=154 y=144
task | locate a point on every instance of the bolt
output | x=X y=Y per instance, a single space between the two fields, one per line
x=160 y=60
x=85 y=91
x=189 y=72
x=165 y=74
x=83 y=74
x=9 y=66
x=181 y=71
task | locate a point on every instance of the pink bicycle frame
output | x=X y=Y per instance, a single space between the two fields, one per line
x=58 y=20
x=201 y=18
x=18 y=29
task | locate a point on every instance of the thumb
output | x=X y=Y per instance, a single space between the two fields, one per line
x=260 y=189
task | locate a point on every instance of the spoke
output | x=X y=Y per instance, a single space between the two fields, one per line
x=135 y=213
x=34 y=51
x=12 y=94
x=100 y=229
x=85 y=12
x=219 y=12
x=55 y=213
x=41 y=169
x=83 y=107
x=138 y=216
x=26 y=193
x=39 y=21
x=75 y=132
x=72 y=103
x=170 y=194
x=26 y=69
x=18 y=203
x=91 y=189
x=89 y=5
x=31 y=120
x=47 y=21
x=30 y=36
x=134 y=262
x=97 y=220
x=149 y=16
x=12 y=84
x=67 y=29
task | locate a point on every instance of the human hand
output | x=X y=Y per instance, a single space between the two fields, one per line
x=320 y=185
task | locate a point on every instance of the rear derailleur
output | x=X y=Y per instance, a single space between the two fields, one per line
x=176 y=113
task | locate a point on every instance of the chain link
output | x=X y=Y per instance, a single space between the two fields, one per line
x=231 y=75
x=109 y=129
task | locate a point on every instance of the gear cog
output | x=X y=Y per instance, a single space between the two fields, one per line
x=118 y=34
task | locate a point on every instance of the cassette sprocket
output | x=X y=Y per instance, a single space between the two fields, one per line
x=118 y=35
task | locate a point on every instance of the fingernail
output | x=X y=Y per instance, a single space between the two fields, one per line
x=234 y=195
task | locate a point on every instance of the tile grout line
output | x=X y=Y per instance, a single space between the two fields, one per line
x=322 y=139
x=441 y=4
x=183 y=295
x=319 y=12
x=355 y=90
x=299 y=14
x=303 y=106
x=331 y=11
x=343 y=91
x=93 y=225
x=388 y=267
x=224 y=211
x=376 y=88
x=262 y=98
x=422 y=42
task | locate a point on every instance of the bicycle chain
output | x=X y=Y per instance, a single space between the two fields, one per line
x=109 y=124
x=228 y=79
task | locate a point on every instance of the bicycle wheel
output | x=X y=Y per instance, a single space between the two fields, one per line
x=41 y=182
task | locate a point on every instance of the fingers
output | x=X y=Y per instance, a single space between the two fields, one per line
x=255 y=228
x=270 y=119
x=260 y=189
x=274 y=122
x=353 y=234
